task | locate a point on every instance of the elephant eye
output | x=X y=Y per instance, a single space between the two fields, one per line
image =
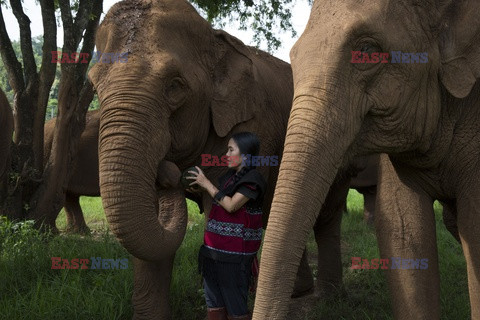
x=366 y=54
x=367 y=48
x=176 y=91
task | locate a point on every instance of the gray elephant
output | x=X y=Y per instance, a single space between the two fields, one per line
x=6 y=130
x=398 y=77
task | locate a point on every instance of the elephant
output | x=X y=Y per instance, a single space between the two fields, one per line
x=6 y=131
x=421 y=110
x=84 y=179
x=183 y=91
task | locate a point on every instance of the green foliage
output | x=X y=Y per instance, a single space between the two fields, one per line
x=262 y=17
x=19 y=238
x=37 y=43
x=52 y=106
x=30 y=288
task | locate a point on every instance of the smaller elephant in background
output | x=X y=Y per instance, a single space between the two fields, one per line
x=84 y=178
x=6 y=131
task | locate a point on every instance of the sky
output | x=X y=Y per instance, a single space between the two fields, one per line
x=300 y=14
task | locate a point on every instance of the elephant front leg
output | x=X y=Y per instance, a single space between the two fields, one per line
x=327 y=236
x=151 y=289
x=450 y=218
x=469 y=230
x=405 y=227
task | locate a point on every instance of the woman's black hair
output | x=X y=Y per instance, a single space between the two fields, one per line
x=248 y=144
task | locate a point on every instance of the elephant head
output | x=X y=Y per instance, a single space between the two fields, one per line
x=182 y=83
x=343 y=109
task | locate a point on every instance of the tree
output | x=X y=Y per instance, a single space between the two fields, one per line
x=35 y=191
x=261 y=16
x=37 y=44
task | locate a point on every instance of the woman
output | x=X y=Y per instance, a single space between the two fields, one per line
x=234 y=230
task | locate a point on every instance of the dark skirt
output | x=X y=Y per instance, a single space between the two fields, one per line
x=211 y=263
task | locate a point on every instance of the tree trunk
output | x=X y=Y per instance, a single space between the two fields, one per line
x=33 y=192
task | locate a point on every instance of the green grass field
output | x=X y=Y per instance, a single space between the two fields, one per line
x=30 y=289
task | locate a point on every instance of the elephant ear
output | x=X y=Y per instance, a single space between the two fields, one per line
x=459 y=49
x=234 y=84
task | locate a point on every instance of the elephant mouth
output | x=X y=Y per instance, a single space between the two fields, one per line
x=168 y=176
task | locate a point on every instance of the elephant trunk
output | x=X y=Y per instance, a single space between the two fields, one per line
x=315 y=145
x=132 y=144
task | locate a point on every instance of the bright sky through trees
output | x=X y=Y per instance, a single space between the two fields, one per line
x=300 y=14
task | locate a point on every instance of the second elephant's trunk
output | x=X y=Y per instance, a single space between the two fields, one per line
x=314 y=149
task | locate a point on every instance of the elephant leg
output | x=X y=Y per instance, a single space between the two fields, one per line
x=75 y=221
x=469 y=230
x=369 y=198
x=304 y=280
x=449 y=214
x=151 y=289
x=405 y=227
x=327 y=236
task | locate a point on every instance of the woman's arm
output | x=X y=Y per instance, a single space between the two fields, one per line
x=231 y=204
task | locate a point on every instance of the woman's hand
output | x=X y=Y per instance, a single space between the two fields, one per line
x=199 y=179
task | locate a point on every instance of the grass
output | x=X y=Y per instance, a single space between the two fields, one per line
x=30 y=289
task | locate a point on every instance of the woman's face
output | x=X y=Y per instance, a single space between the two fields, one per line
x=234 y=155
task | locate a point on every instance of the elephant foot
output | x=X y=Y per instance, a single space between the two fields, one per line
x=76 y=229
x=329 y=291
x=304 y=283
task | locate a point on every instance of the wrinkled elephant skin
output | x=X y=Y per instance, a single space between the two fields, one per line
x=425 y=117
